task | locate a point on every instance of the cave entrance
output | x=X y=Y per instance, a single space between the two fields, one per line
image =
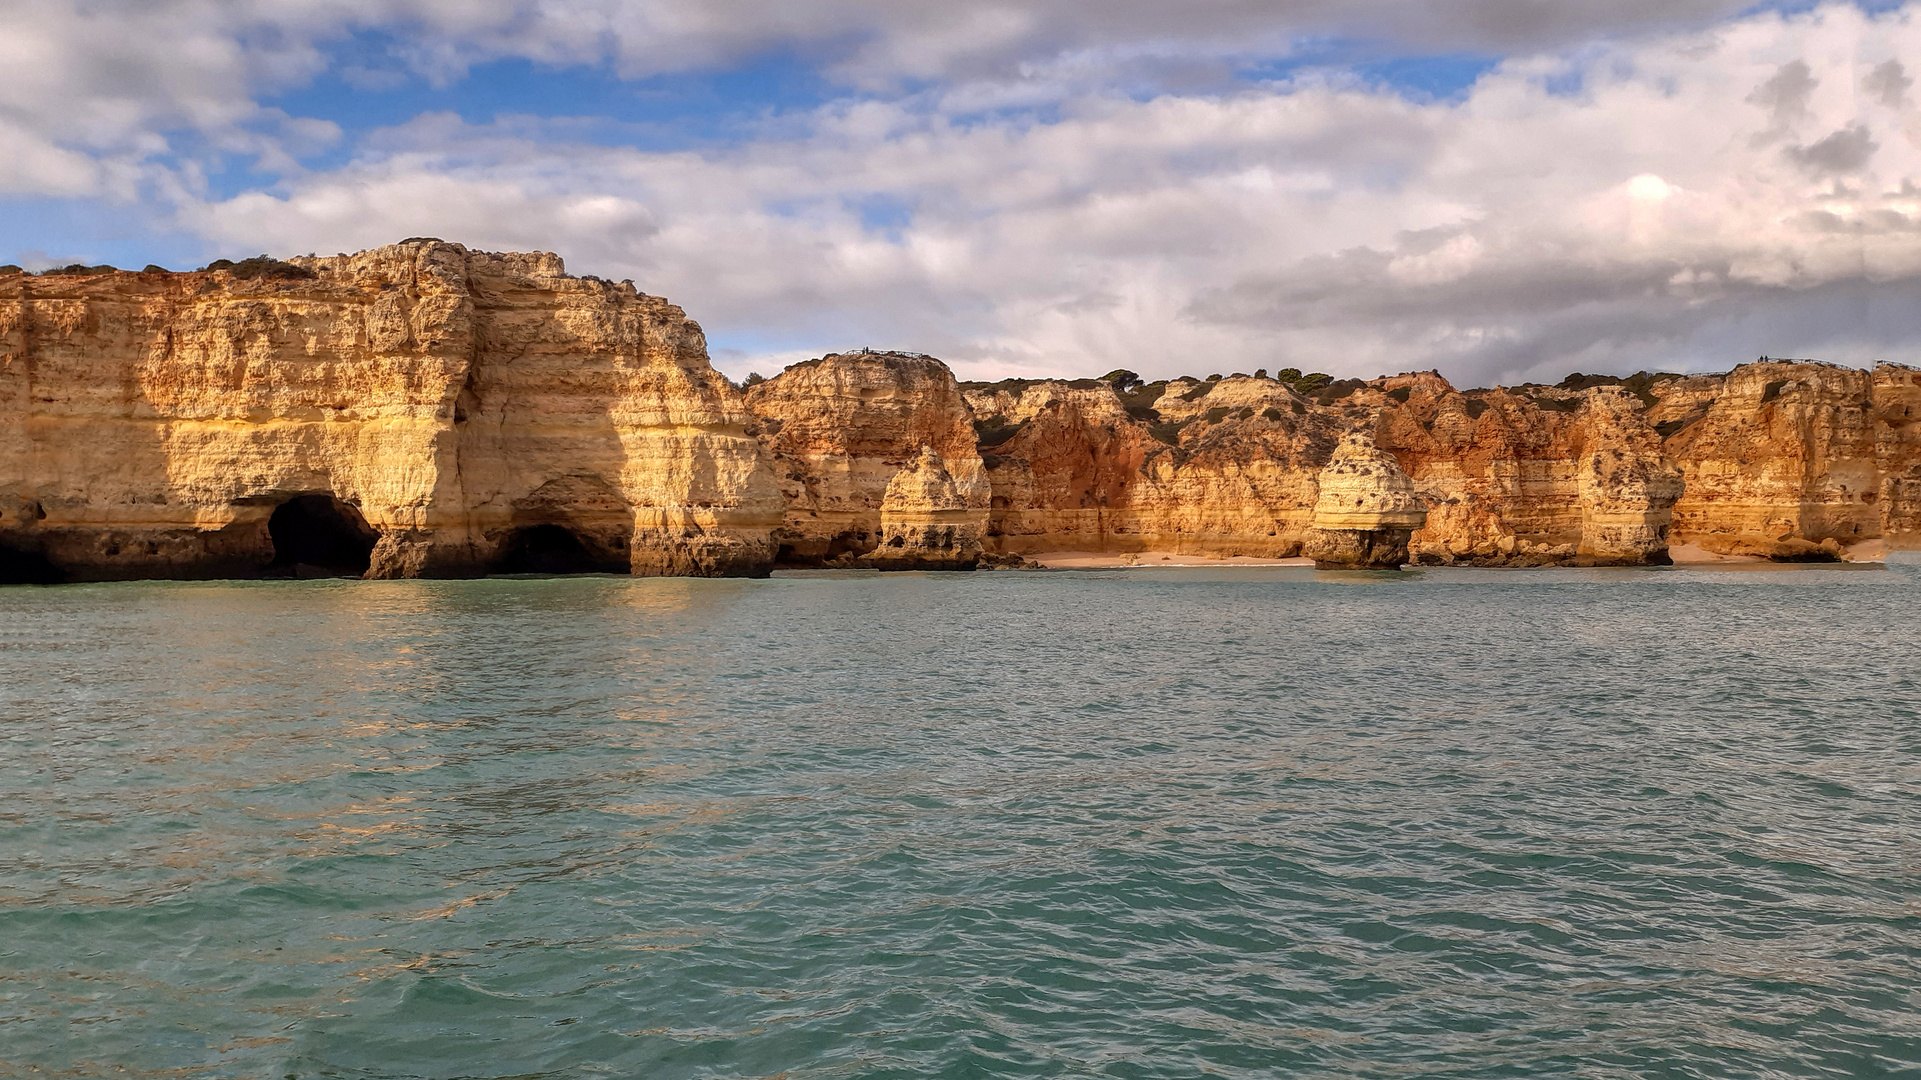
x=548 y=550
x=21 y=567
x=319 y=536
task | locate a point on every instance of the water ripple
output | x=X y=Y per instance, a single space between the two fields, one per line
x=1143 y=824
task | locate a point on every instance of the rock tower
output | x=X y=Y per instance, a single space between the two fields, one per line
x=1366 y=510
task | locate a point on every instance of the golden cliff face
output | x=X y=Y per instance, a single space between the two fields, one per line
x=849 y=433
x=1787 y=460
x=423 y=409
x=1796 y=459
x=419 y=409
x=1078 y=466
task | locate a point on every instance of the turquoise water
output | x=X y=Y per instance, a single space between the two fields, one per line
x=1123 y=824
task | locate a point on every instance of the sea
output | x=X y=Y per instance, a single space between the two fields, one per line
x=1134 y=823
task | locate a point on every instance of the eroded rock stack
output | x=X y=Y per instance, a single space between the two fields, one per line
x=926 y=522
x=843 y=429
x=1366 y=510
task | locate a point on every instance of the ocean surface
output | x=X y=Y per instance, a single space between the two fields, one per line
x=1233 y=823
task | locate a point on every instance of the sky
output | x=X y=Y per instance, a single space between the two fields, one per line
x=1503 y=190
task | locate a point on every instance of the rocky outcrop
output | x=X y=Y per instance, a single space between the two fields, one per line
x=1795 y=459
x=423 y=409
x=416 y=410
x=851 y=431
x=1784 y=459
x=1080 y=466
x=1627 y=487
x=1366 y=510
x=925 y=520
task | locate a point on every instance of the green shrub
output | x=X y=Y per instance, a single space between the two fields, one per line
x=996 y=430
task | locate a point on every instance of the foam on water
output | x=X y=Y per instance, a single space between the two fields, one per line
x=1129 y=824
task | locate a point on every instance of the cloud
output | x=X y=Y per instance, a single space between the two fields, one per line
x=1318 y=222
x=1069 y=187
x=1846 y=151
x=1888 y=84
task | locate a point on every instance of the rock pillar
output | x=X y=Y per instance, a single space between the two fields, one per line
x=1366 y=510
x=925 y=521
x=1627 y=488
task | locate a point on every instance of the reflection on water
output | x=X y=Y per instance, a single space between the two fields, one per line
x=1140 y=823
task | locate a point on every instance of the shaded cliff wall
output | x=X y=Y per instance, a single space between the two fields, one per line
x=1795 y=459
x=452 y=401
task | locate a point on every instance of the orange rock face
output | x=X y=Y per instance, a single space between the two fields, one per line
x=419 y=409
x=848 y=433
x=1796 y=459
x=1788 y=460
x=423 y=409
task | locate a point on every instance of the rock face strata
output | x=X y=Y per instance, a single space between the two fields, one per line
x=1366 y=509
x=925 y=521
x=416 y=410
x=877 y=460
x=426 y=410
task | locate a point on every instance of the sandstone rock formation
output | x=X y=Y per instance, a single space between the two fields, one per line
x=419 y=409
x=1795 y=459
x=926 y=522
x=423 y=409
x=1366 y=509
x=1594 y=471
x=849 y=433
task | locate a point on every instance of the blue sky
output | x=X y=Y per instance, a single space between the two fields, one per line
x=1500 y=188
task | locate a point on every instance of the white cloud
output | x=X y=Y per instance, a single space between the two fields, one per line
x=1687 y=204
x=1684 y=192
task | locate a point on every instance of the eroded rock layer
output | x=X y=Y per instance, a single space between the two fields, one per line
x=874 y=449
x=423 y=410
x=1783 y=459
x=420 y=409
x=1366 y=509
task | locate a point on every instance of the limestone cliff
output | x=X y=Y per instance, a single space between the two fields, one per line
x=423 y=409
x=419 y=409
x=849 y=428
x=1795 y=459
x=1789 y=460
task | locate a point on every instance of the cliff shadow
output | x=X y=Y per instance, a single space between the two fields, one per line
x=318 y=535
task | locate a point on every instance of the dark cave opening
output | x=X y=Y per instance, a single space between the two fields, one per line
x=549 y=550
x=21 y=567
x=319 y=536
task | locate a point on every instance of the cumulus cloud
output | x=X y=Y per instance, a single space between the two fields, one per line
x=1676 y=191
x=1666 y=212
